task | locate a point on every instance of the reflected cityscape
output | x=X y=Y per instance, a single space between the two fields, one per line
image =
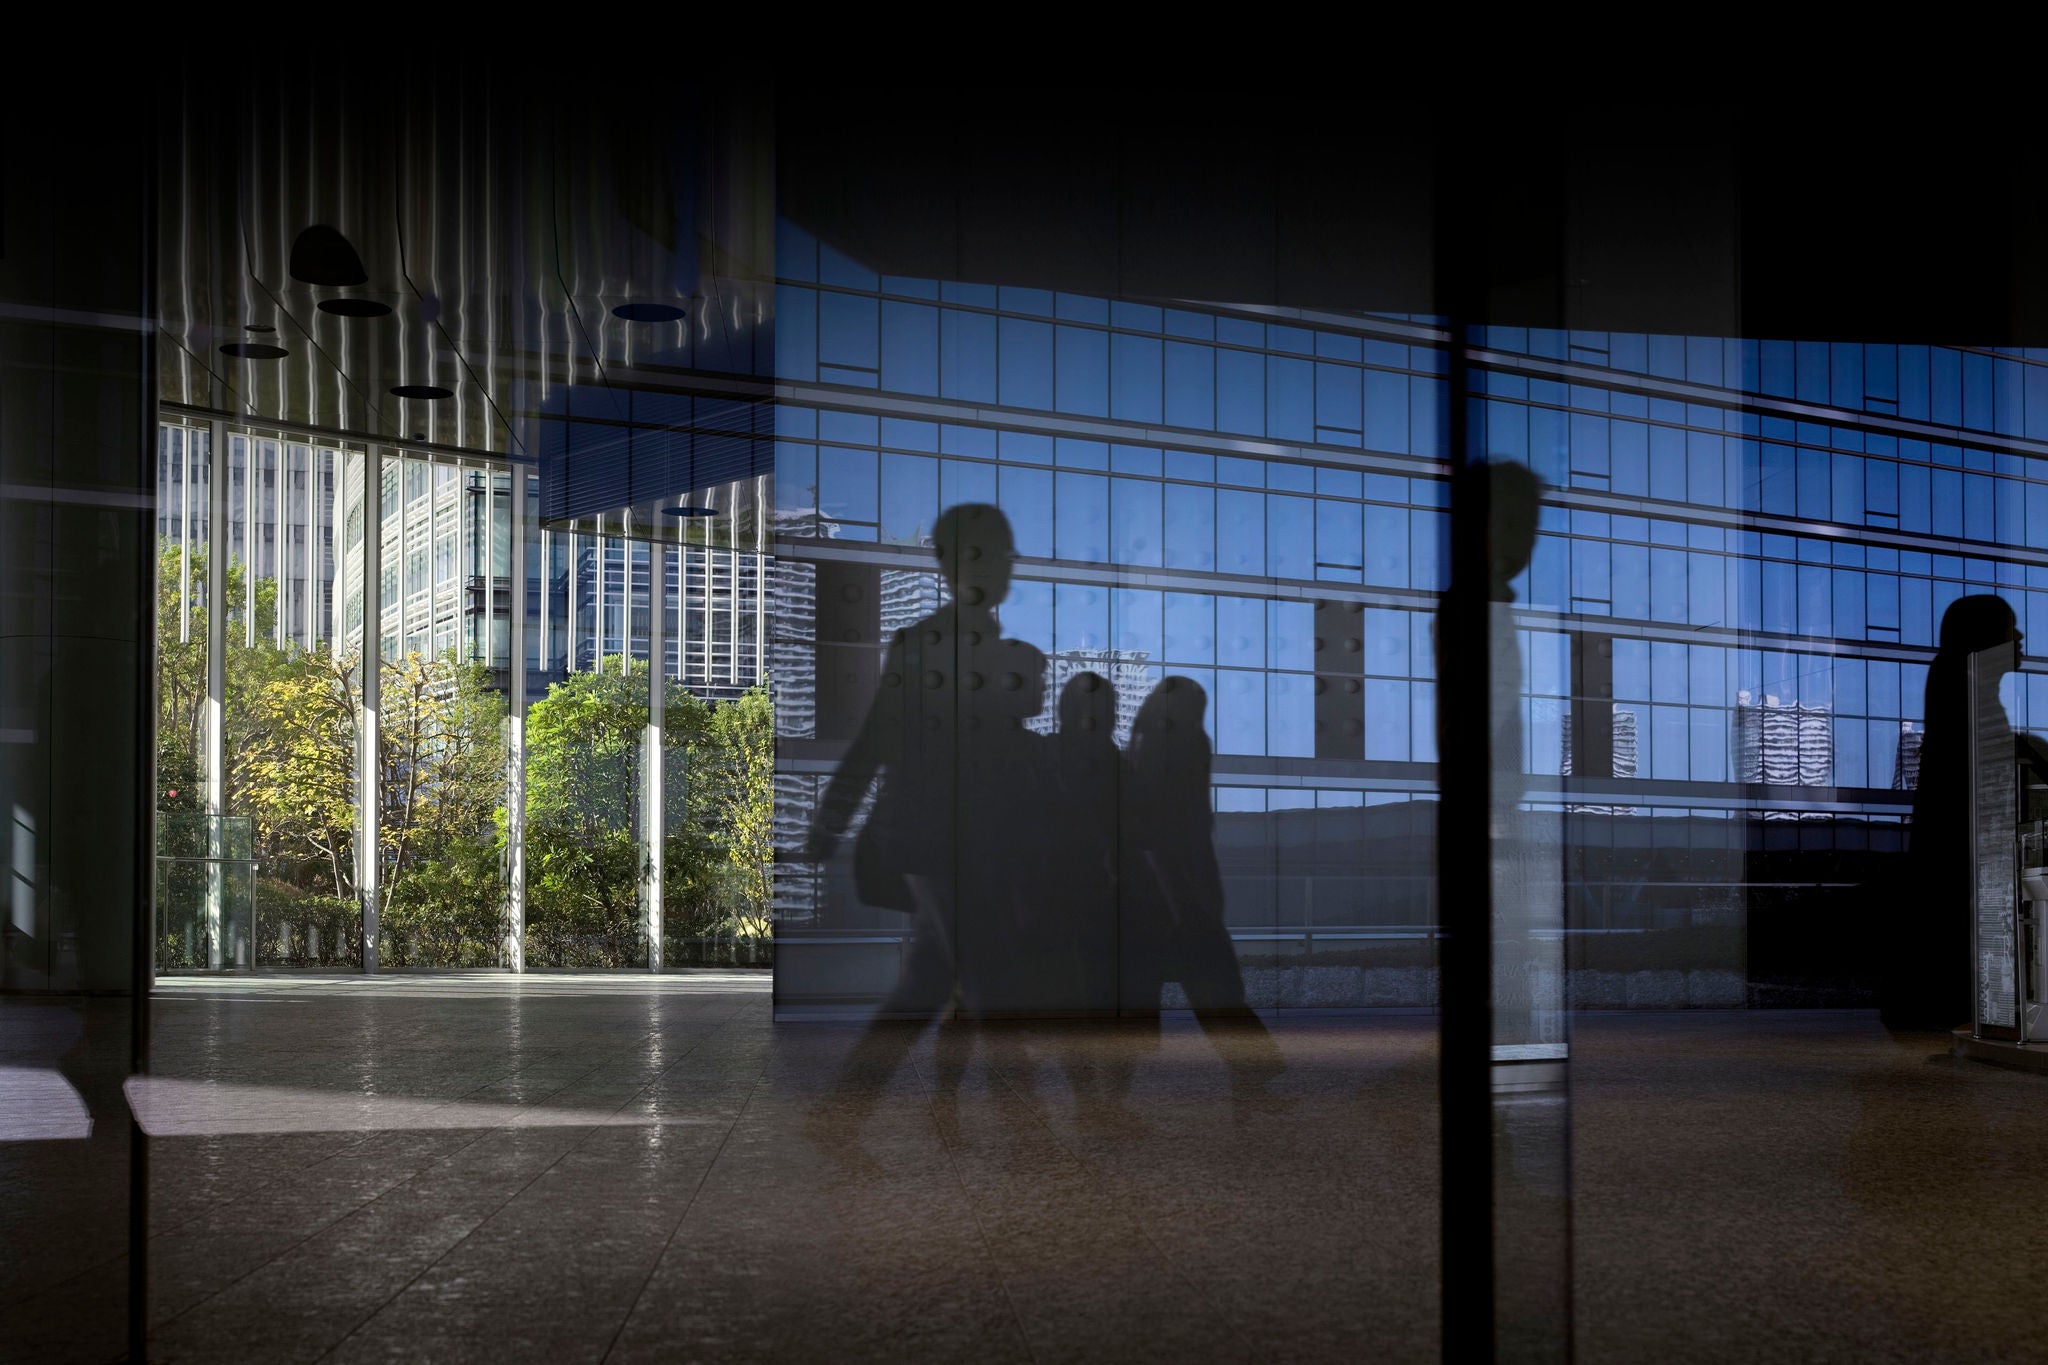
x=744 y=719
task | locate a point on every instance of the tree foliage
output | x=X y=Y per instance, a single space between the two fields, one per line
x=293 y=745
x=732 y=798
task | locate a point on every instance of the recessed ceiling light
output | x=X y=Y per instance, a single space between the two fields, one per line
x=321 y=255
x=648 y=312
x=254 y=350
x=355 y=308
x=424 y=392
x=259 y=327
x=691 y=511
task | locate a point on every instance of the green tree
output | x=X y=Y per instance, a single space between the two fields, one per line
x=583 y=756
x=440 y=785
x=181 y=671
x=732 y=801
x=292 y=747
x=296 y=770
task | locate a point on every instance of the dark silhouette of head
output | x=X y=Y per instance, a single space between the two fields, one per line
x=1970 y=626
x=1017 y=675
x=1976 y=623
x=975 y=550
x=1088 y=707
x=1171 y=717
x=1512 y=495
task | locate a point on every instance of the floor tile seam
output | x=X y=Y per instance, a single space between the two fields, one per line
x=463 y=1240
x=1116 y=1195
x=350 y=1146
x=399 y=1181
x=703 y=1178
x=502 y=1205
x=687 y=1055
x=354 y=1146
x=180 y=1225
x=973 y=1211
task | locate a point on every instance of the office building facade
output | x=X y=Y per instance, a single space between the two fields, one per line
x=1744 y=552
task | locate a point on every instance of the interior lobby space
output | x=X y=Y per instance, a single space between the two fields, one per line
x=755 y=718
x=482 y=1167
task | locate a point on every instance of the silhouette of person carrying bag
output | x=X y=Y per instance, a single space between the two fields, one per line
x=957 y=777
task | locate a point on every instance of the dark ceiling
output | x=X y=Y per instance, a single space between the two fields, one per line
x=501 y=223
x=1830 y=221
x=436 y=262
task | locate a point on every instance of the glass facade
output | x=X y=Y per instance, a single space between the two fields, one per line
x=1319 y=685
x=274 y=784
x=1743 y=556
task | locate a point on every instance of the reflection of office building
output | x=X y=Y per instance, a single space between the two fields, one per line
x=279 y=524
x=907 y=597
x=1624 y=759
x=792 y=622
x=445 y=561
x=718 y=595
x=1127 y=670
x=1784 y=744
x=447 y=588
x=1624 y=744
x=1906 y=771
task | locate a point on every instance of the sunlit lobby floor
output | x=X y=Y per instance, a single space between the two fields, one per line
x=612 y=1167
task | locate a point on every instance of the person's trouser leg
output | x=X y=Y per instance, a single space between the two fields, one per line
x=922 y=993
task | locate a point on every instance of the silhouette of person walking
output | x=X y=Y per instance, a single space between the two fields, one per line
x=1929 y=975
x=1008 y=883
x=1080 y=946
x=958 y=779
x=1172 y=888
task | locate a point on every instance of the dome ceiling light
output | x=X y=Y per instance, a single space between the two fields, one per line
x=321 y=255
x=648 y=312
x=355 y=308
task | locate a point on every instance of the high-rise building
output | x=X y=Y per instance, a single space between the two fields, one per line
x=1787 y=744
x=1624 y=764
x=1127 y=671
x=1906 y=772
x=445 y=565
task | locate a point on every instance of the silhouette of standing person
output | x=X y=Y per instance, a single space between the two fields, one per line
x=1080 y=969
x=934 y=740
x=1173 y=887
x=1527 y=846
x=1929 y=974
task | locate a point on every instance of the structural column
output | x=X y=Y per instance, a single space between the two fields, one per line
x=216 y=689
x=1464 y=807
x=652 y=823
x=515 y=737
x=371 y=662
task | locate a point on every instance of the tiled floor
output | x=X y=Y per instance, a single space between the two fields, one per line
x=566 y=1168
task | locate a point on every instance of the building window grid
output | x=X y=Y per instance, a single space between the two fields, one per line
x=1737 y=574
x=288 y=492
x=270 y=546
x=1298 y=394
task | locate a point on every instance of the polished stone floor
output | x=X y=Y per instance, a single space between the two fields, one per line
x=565 y=1168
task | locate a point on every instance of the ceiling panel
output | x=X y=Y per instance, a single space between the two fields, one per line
x=499 y=239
